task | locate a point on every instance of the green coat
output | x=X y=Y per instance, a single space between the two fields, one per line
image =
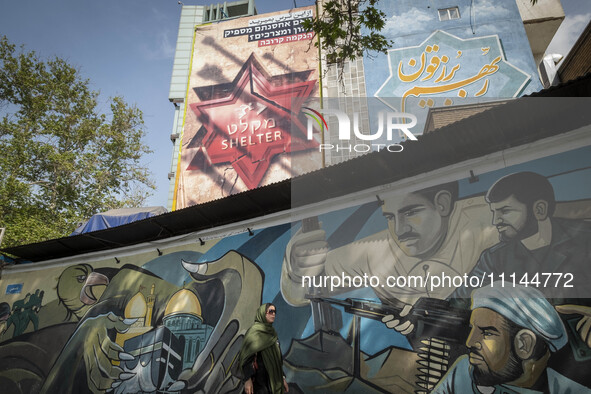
x=262 y=338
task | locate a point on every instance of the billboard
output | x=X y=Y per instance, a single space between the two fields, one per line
x=242 y=126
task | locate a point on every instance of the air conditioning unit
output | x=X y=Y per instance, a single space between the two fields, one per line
x=548 y=70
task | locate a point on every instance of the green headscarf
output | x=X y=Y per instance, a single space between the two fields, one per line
x=262 y=338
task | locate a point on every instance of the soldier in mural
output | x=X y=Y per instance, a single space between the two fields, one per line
x=532 y=241
x=4 y=315
x=534 y=244
x=515 y=330
x=429 y=231
x=176 y=323
x=24 y=312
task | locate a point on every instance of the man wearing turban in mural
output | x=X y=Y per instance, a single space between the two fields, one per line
x=429 y=231
x=534 y=243
x=260 y=355
x=514 y=331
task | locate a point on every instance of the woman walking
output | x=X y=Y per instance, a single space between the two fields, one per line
x=260 y=355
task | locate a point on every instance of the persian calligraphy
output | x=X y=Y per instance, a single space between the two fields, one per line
x=431 y=62
x=445 y=69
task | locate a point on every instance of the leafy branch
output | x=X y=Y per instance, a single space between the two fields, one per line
x=349 y=28
x=62 y=158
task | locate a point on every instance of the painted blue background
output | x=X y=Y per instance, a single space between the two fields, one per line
x=410 y=22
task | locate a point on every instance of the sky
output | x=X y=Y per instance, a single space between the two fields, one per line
x=126 y=48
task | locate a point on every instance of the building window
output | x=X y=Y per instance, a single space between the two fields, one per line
x=447 y=14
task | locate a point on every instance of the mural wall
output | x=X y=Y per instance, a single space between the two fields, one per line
x=448 y=54
x=359 y=308
x=249 y=79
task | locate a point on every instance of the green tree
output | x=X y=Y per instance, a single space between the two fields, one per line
x=61 y=158
x=339 y=26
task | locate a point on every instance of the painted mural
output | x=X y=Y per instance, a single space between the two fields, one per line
x=444 y=68
x=451 y=54
x=242 y=124
x=362 y=298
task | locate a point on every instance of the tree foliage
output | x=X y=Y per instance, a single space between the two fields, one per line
x=348 y=28
x=62 y=159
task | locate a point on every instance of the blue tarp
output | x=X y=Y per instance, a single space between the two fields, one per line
x=117 y=217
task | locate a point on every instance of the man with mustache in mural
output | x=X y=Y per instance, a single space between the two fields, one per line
x=514 y=332
x=532 y=242
x=429 y=231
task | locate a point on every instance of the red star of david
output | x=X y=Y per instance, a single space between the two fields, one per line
x=255 y=122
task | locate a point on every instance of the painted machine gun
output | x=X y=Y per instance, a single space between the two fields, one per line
x=431 y=317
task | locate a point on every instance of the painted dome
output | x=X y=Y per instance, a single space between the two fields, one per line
x=183 y=302
x=136 y=307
